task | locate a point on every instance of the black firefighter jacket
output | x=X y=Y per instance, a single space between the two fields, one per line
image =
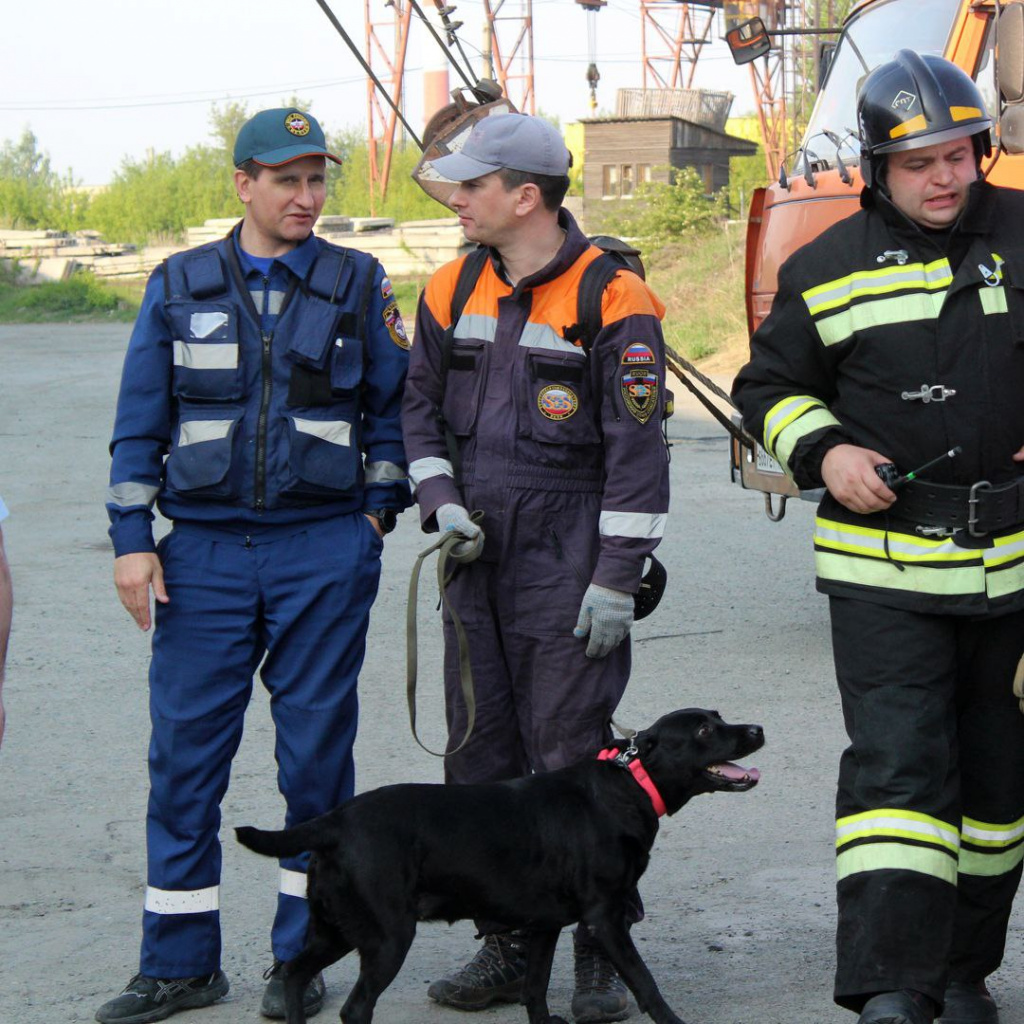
x=877 y=338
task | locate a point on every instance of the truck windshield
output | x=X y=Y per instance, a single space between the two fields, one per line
x=869 y=39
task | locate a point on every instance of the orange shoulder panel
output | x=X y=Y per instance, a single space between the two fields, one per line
x=626 y=295
x=439 y=291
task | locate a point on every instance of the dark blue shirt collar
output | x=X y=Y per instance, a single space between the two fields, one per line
x=297 y=260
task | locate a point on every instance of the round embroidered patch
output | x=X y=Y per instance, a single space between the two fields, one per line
x=638 y=354
x=557 y=402
x=296 y=123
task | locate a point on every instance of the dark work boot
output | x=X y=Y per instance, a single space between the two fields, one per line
x=494 y=975
x=902 y=1007
x=272 y=1005
x=968 y=1003
x=600 y=994
x=148 y=999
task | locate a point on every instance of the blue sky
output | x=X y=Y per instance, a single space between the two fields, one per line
x=98 y=80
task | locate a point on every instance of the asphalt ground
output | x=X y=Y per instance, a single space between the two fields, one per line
x=739 y=894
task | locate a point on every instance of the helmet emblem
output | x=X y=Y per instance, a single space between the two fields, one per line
x=903 y=100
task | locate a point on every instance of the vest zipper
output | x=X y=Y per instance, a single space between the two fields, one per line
x=261 y=422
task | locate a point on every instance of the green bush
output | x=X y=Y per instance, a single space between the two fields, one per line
x=81 y=297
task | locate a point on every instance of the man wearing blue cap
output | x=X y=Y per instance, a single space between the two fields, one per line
x=259 y=409
x=556 y=437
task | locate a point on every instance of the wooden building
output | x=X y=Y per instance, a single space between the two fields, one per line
x=621 y=153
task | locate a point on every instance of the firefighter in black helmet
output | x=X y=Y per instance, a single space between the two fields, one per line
x=895 y=336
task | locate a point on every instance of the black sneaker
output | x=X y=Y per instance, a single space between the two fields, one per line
x=968 y=1003
x=600 y=993
x=273 y=995
x=146 y=999
x=494 y=975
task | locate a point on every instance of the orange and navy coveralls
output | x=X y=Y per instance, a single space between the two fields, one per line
x=563 y=452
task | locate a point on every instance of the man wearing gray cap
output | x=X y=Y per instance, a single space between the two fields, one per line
x=556 y=438
x=260 y=410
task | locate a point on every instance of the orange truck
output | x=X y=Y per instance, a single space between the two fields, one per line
x=983 y=38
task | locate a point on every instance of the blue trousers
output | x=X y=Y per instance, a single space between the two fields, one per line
x=292 y=602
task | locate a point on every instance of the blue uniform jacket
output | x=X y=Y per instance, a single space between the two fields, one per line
x=251 y=400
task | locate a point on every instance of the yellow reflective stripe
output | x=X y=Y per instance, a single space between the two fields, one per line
x=897 y=824
x=1004 y=549
x=782 y=414
x=915 y=124
x=896 y=856
x=993 y=300
x=843 y=290
x=964 y=113
x=879 y=313
x=988 y=865
x=865 y=540
x=876 y=572
x=808 y=423
x=983 y=833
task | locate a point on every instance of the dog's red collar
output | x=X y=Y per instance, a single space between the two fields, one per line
x=632 y=764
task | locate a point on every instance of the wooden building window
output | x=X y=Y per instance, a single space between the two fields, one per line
x=610 y=181
x=628 y=180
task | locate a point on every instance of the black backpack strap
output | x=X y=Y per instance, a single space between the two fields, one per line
x=469 y=273
x=595 y=279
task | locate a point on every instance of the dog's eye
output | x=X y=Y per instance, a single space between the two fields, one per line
x=705 y=732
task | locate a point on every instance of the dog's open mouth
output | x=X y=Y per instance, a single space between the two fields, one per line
x=727 y=775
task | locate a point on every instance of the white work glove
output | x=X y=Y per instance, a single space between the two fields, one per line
x=455 y=519
x=607 y=616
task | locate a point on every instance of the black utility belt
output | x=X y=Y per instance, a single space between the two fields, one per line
x=943 y=509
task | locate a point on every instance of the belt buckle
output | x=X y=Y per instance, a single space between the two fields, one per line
x=972 y=508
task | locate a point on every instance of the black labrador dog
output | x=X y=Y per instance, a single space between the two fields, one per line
x=540 y=853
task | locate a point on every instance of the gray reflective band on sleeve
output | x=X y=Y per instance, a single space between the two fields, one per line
x=208 y=356
x=424 y=469
x=638 y=525
x=334 y=431
x=382 y=472
x=206 y=325
x=126 y=494
x=195 y=431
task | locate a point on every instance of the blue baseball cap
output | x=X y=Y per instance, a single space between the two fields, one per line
x=517 y=142
x=278 y=136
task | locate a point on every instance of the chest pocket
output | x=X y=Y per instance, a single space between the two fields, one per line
x=207 y=366
x=1013 y=287
x=466 y=373
x=555 y=402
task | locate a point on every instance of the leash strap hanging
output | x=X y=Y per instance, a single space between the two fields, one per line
x=444 y=548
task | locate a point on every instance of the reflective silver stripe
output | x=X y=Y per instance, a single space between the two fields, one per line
x=335 y=431
x=293 y=883
x=897 y=824
x=423 y=469
x=877 y=282
x=382 y=472
x=195 y=431
x=641 y=525
x=182 y=901
x=275 y=301
x=861 y=540
x=208 y=356
x=205 y=325
x=476 y=326
x=983 y=833
x=543 y=336
x=127 y=493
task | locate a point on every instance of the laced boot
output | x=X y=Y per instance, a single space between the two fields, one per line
x=968 y=1003
x=600 y=993
x=495 y=974
x=272 y=1005
x=148 y=999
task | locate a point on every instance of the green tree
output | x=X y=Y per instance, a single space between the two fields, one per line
x=32 y=194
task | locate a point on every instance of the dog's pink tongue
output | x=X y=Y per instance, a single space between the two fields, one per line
x=736 y=772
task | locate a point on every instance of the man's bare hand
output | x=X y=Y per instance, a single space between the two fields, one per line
x=134 y=575
x=849 y=474
x=1018 y=455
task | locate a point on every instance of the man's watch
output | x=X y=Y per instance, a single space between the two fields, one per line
x=387 y=517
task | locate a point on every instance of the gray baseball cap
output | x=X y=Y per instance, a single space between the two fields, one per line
x=518 y=142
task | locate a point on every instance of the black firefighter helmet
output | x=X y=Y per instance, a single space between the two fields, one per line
x=917 y=100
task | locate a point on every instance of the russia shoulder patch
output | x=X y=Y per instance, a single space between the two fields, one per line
x=386 y=291
x=638 y=354
x=393 y=322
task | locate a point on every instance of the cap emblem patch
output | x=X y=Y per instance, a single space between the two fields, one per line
x=297 y=124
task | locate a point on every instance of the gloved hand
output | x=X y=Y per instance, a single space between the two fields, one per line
x=607 y=616
x=455 y=519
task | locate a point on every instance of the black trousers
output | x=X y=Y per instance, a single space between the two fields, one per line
x=930 y=804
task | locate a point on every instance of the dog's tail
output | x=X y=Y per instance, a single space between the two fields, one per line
x=287 y=843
